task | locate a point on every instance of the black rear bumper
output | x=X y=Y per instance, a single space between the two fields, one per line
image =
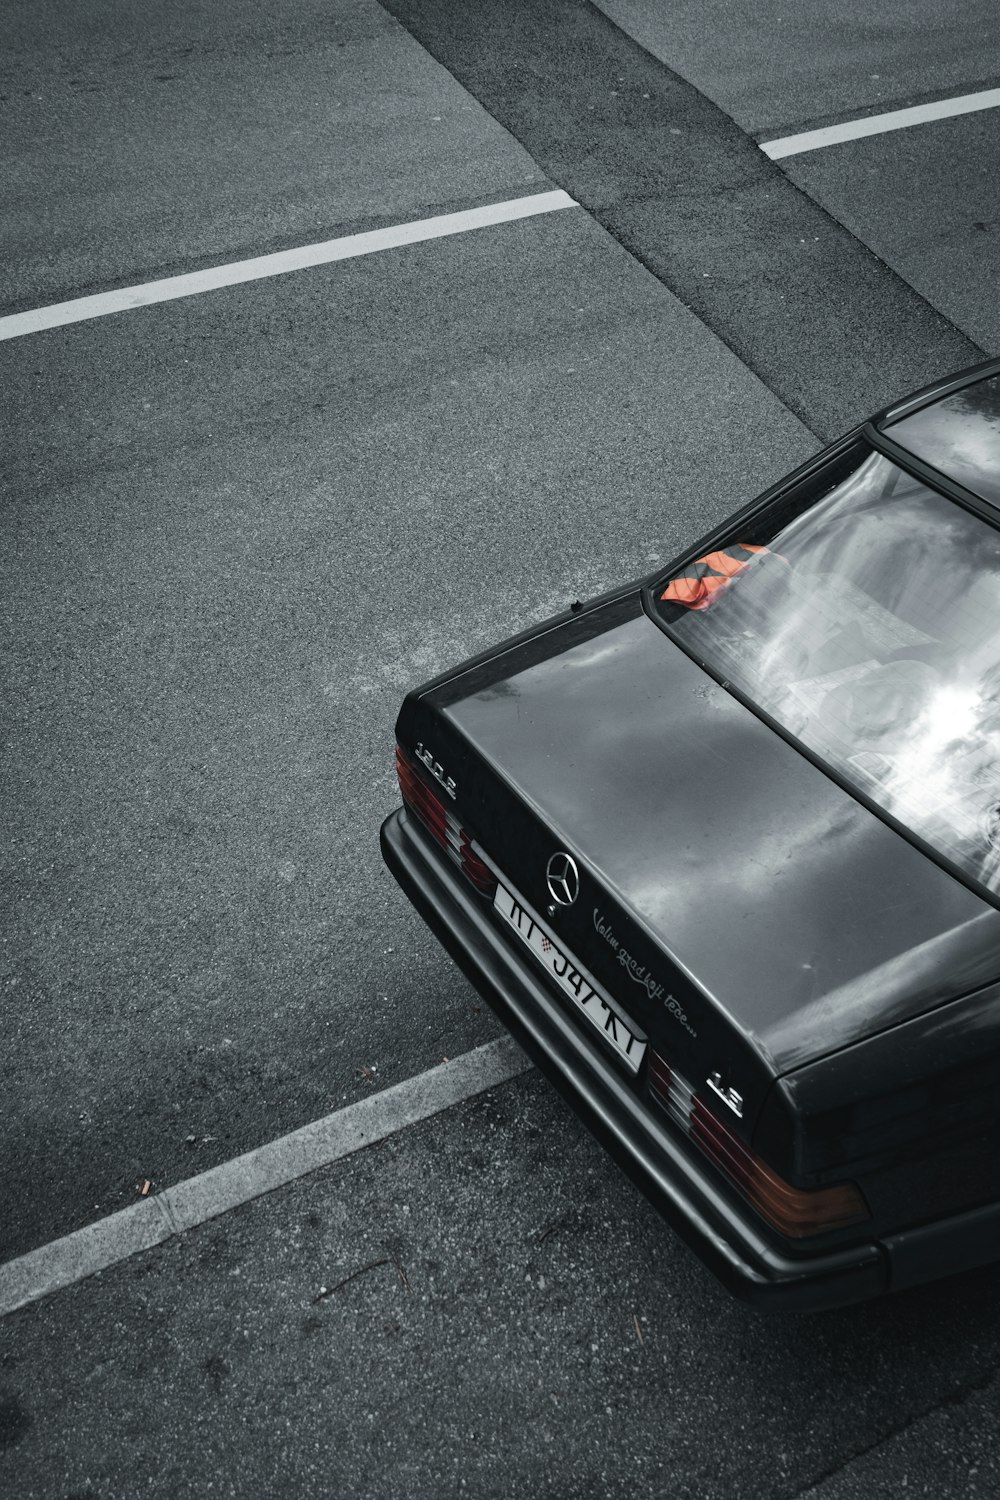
x=676 y=1181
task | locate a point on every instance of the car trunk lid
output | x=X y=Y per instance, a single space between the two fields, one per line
x=746 y=911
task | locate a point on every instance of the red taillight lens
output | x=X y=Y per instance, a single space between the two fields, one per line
x=659 y=1077
x=427 y=805
x=795 y=1212
x=441 y=822
x=474 y=869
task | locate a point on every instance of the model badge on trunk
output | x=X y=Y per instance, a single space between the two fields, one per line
x=562 y=878
x=434 y=766
x=728 y=1096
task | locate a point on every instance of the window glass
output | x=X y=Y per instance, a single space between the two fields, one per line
x=868 y=626
x=959 y=435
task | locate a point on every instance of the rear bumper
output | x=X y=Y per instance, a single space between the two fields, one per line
x=677 y=1182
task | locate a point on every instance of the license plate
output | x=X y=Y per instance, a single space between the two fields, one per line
x=557 y=962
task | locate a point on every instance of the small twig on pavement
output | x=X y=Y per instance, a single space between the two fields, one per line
x=638 y=1330
x=372 y=1265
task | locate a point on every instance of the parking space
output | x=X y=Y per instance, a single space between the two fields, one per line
x=925 y=198
x=237 y=528
x=482 y=1306
x=927 y=201
x=804 y=303
x=142 y=142
x=777 y=68
x=261 y=517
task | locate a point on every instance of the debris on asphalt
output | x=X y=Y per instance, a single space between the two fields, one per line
x=551 y=1229
x=144 y=1190
x=373 y=1265
x=638 y=1330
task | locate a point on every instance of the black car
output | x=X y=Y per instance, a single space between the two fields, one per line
x=722 y=850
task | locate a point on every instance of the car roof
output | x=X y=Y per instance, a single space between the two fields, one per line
x=954 y=425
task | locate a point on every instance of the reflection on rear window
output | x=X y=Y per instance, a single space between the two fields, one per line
x=869 y=627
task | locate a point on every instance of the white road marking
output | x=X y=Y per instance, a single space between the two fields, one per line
x=153 y=1220
x=895 y=119
x=58 y=314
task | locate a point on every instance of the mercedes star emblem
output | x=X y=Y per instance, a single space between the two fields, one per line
x=562 y=878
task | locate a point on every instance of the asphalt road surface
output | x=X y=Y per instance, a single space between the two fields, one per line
x=236 y=527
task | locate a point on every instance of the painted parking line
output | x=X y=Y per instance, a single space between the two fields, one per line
x=181 y=1207
x=896 y=119
x=124 y=299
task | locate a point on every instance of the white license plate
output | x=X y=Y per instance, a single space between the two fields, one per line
x=567 y=975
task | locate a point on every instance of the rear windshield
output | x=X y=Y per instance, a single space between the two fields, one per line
x=868 y=626
x=960 y=435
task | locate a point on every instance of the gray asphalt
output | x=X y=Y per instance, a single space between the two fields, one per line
x=807 y=306
x=778 y=68
x=481 y=1307
x=927 y=201
x=236 y=529
x=146 y=141
x=923 y=200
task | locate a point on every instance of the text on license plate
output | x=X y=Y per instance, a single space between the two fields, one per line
x=629 y=1048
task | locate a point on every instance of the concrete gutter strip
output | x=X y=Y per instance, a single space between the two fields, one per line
x=177 y=1209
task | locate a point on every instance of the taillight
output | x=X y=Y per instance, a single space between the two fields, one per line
x=795 y=1212
x=440 y=821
